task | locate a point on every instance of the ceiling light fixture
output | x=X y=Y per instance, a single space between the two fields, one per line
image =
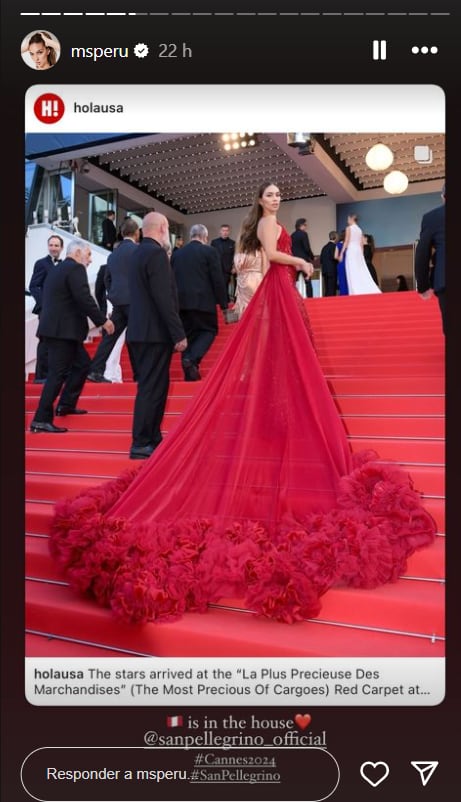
x=234 y=141
x=379 y=157
x=395 y=182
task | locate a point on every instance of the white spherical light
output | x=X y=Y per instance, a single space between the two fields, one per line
x=395 y=183
x=379 y=157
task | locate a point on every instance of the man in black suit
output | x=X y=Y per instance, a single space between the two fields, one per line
x=329 y=264
x=66 y=305
x=154 y=331
x=300 y=246
x=201 y=287
x=226 y=249
x=41 y=267
x=109 y=232
x=431 y=249
x=116 y=280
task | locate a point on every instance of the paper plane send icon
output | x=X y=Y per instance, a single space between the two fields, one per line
x=425 y=768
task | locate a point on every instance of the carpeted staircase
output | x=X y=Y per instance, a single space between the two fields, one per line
x=384 y=360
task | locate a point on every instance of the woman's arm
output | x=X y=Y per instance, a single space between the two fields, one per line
x=346 y=242
x=267 y=234
x=50 y=42
x=264 y=262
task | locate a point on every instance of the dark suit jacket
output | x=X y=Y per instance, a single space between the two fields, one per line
x=117 y=273
x=327 y=259
x=300 y=245
x=432 y=236
x=199 y=277
x=39 y=274
x=154 y=316
x=226 y=250
x=109 y=233
x=67 y=303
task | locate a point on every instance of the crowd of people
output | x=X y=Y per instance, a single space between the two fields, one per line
x=256 y=492
x=175 y=293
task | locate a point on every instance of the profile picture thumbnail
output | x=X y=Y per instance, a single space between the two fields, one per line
x=40 y=50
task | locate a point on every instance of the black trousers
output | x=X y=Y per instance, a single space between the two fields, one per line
x=152 y=367
x=41 y=365
x=119 y=318
x=330 y=282
x=68 y=365
x=201 y=328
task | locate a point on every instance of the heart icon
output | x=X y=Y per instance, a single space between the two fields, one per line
x=374 y=773
x=302 y=720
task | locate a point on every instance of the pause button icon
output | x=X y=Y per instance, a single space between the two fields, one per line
x=379 y=49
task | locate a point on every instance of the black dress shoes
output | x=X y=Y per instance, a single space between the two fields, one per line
x=191 y=371
x=37 y=426
x=61 y=411
x=141 y=452
x=98 y=377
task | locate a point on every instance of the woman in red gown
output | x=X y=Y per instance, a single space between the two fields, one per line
x=255 y=494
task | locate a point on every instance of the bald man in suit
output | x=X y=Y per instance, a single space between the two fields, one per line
x=154 y=331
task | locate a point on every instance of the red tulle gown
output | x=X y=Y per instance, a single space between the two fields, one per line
x=253 y=495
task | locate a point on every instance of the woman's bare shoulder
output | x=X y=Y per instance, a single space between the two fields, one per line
x=268 y=222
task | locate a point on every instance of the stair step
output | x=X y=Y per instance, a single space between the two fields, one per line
x=387 y=385
x=40 y=488
x=360 y=424
x=44 y=646
x=394 y=426
x=64 y=463
x=333 y=366
x=403 y=450
x=103 y=423
x=177 y=389
x=410 y=406
x=38 y=517
x=406 y=407
x=56 y=610
x=123 y=405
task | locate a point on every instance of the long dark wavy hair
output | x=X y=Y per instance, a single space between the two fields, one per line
x=39 y=39
x=248 y=240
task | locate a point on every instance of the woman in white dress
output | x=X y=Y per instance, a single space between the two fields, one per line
x=359 y=280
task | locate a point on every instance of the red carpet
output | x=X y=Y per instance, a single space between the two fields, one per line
x=383 y=358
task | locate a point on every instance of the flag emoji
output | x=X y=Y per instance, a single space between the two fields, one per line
x=174 y=721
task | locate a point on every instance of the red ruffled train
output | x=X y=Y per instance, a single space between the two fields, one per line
x=254 y=495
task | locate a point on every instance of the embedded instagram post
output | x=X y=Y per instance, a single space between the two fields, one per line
x=235 y=398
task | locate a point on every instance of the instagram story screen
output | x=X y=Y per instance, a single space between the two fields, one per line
x=235 y=342
x=370 y=617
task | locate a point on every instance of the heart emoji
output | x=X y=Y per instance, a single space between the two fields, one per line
x=302 y=720
x=374 y=773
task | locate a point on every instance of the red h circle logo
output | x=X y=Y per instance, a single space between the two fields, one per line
x=49 y=108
